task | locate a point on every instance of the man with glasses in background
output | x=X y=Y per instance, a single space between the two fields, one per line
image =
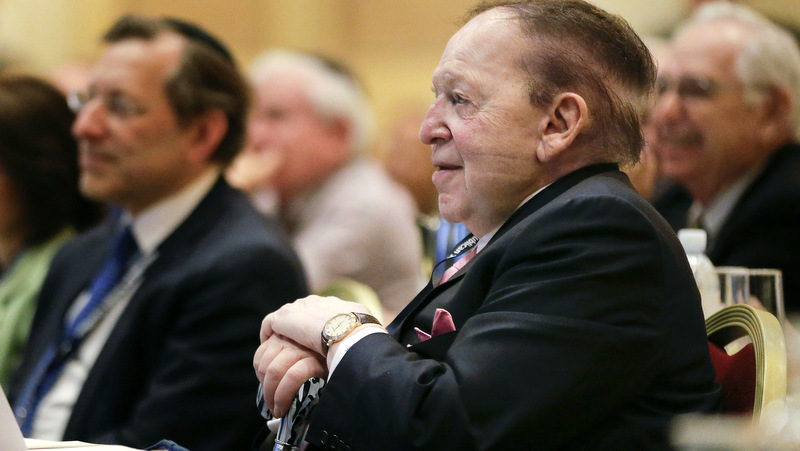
x=727 y=121
x=144 y=324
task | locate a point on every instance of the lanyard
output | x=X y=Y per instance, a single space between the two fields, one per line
x=464 y=246
x=75 y=332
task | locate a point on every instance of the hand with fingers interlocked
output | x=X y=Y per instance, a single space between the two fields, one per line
x=291 y=348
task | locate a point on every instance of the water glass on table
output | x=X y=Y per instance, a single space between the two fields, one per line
x=759 y=287
x=734 y=284
x=766 y=289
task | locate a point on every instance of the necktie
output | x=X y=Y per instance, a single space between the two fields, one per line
x=457 y=266
x=56 y=355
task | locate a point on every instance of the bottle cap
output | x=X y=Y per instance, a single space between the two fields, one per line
x=693 y=240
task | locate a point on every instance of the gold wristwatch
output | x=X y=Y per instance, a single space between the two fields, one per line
x=340 y=326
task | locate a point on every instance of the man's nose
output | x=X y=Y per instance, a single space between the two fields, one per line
x=90 y=122
x=259 y=135
x=433 y=129
x=668 y=108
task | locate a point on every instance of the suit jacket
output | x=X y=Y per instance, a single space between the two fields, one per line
x=178 y=364
x=763 y=229
x=578 y=326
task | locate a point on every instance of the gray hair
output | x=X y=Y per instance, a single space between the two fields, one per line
x=330 y=89
x=769 y=59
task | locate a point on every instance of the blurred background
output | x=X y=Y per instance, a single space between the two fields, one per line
x=393 y=45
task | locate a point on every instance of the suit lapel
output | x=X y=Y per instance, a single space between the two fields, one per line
x=175 y=246
x=743 y=210
x=85 y=270
x=550 y=193
x=560 y=186
x=403 y=317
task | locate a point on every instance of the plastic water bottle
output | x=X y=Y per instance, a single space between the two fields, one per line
x=694 y=243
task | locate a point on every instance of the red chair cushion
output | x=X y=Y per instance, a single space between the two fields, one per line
x=737 y=375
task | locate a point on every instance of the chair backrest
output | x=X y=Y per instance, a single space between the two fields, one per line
x=755 y=375
x=353 y=291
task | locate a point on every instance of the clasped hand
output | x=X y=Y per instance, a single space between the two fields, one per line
x=291 y=350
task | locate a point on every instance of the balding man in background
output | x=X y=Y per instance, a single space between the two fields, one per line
x=308 y=138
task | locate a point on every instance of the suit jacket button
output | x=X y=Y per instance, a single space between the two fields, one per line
x=323 y=437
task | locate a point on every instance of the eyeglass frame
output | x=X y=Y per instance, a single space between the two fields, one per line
x=698 y=87
x=116 y=104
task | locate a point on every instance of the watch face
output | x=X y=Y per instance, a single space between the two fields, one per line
x=339 y=324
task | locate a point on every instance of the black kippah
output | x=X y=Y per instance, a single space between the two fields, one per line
x=197 y=34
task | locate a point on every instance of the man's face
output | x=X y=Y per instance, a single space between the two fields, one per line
x=706 y=133
x=284 y=123
x=482 y=126
x=132 y=151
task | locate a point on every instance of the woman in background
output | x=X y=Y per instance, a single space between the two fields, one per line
x=40 y=205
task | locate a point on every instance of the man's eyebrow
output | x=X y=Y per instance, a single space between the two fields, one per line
x=445 y=80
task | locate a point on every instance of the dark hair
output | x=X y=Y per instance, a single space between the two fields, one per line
x=207 y=78
x=596 y=54
x=40 y=157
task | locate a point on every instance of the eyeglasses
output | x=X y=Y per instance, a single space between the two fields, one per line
x=689 y=87
x=116 y=103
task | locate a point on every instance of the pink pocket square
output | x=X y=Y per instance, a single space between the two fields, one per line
x=442 y=323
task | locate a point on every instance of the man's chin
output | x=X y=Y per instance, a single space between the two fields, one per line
x=97 y=192
x=449 y=210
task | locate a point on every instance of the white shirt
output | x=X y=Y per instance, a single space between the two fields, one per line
x=150 y=229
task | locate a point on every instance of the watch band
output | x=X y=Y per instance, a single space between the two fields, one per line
x=359 y=319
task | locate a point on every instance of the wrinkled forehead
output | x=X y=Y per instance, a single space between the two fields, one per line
x=483 y=29
x=491 y=42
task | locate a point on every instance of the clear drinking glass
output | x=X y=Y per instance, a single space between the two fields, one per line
x=766 y=290
x=734 y=284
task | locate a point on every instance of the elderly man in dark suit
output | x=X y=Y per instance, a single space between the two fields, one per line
x=575 y=323
x=142 y=326
x=728 y=122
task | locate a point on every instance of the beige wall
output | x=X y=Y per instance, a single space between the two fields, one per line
x=392 y=44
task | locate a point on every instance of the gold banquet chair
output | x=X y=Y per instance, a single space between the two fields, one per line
x=755 y=375
x=353 y=291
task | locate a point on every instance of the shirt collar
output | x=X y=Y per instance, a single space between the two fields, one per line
x=717 y=211
x=155 y=224
x=484 y=240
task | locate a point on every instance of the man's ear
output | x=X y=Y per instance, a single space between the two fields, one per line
x=206 y=134
x=776 y=109
x=566 y=117
x=339 y=131
x=340 y=128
